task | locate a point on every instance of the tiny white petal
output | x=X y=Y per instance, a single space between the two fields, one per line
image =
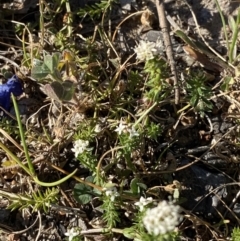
x=111 y=192
x=143 y=202
x=121 y=128
x=97 y=128
x=133 y=132
x=71 y=234
x=80 y=146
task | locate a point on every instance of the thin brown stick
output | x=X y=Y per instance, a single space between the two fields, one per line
x=168 y=45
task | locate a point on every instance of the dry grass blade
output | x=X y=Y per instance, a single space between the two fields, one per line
x=11 y=139
x=134 y=124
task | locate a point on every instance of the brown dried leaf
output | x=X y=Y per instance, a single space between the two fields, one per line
x=202 y=58
x=147 y=18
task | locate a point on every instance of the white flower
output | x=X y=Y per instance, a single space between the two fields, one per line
x=97 y=128
x=145 y=50
x=71 y=234
x=111 y=192
x=162 y=219
x=121 y=128
x=143 y=202
x=80 y=146
x=133 y=132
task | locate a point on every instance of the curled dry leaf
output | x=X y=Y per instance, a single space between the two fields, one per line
x=120 y=87
x=202 y=58
x=188 y=120
x=232 y=109
x=172 y=187
x=147 y=18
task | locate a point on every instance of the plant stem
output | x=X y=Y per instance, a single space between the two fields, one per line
x=144 y=114
x=15 y=158
x=46 y=184
x=30 y=170
x=41 y=23
x=30 y=165
x=224 y=25
x=234 y=38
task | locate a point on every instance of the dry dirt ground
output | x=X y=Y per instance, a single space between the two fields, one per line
x=198 y=180
x=207 y=15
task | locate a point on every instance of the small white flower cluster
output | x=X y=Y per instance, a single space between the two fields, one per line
x=162 y=219
x=143 y=202
x=132 y=132
x=71 y=234
x=145 y=50
x=80 y=146
x=111 y=192
x=121 y=128
x=125 y=128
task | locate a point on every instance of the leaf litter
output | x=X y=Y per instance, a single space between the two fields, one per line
x=85 y=84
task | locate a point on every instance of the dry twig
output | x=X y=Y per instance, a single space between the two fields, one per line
x=168 y=45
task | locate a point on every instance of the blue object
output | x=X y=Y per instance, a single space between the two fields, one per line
x=14 y=86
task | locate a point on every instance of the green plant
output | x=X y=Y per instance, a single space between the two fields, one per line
x=141 y=229
x=81 y=149
x=29 y=169
x=157 y=86
x=35 y=200
x=110 y=205
x=137 y=187
x=198 y=92
x=84 y=193
x=235 y=235
x=19 y=28
x=130 y=143
x=9 y=126
x=48 y=70
x=97 y=9
x=153 y=130
x=234 y=27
